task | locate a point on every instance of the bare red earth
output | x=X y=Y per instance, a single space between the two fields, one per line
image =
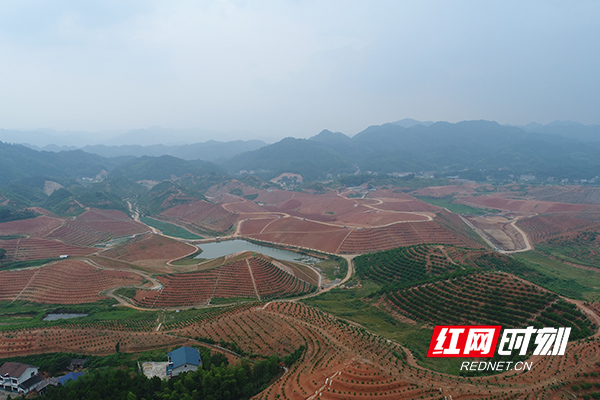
x=63 y=282
x=531 y=206
x=149 y=247
x=253 y=277
x=38 y=226
x=540 y=228
x=39 y=249
x=95 y=226
x=201 y=214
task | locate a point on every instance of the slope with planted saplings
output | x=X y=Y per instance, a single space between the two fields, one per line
x=149 y=251
x=488 y=299
x=455 y=286
x=245 y=277
x=429 y=285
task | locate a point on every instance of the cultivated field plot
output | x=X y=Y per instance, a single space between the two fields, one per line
x=251 y=277
x=372 y=240
x=489 y=299
x=335 y=209
x=150 y=251
x=540 y=228
x=411 y=264
x=522 y=206
x=40 y=249
x=326 y=222
x=63 y=282
x=297 y=232
x=465 y=190
x=224 y=189
x=580 y=247
x=340 y=361
x=83 y=340
x=240 y=206
x=566 y=194
x=444 y=228
x=38 y=226
x=96 y=226
x=201 y=215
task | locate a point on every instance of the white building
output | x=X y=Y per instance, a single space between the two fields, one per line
x=17 y=377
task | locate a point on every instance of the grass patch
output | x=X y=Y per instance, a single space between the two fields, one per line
x=190 y=260
x=126 y=292
x=26 y=264
x=561 y=278
x=333 y=268
x=582 y=249
x=11 y=237
x=26 y=315
x=169 y=229
x=463 y=209
x=230 y=300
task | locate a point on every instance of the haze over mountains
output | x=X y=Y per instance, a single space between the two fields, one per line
x=477 y=150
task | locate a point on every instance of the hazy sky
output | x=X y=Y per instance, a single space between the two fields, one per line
x=292 y=68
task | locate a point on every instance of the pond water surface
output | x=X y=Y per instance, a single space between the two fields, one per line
x=54 y=317
x=219 y=249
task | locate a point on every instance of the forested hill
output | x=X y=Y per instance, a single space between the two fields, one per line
x=477 y=150
x=481 y=147
x=18 y=162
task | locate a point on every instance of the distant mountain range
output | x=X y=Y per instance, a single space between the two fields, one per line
x=208 y=151
x=468 y=149
x=484 y=148
x=46 y=139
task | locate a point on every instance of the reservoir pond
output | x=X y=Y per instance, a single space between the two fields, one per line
x=54 y=317
x=219 y=249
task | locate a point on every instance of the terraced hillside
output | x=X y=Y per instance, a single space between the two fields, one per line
x=411 y=264
x=251 y=277
x=63 y=282
x=149 y=251
x=40 y=249
x=95 y=226
x=455 y=286
x=336 y=360
x=489 y=299
x=544 y=227
x=445 y=228
x=201 y=215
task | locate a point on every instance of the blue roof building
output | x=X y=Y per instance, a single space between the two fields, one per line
x=70 y=376
x=183 y=359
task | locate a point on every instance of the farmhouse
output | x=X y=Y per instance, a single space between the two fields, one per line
x=17 y=377
x=183 y=359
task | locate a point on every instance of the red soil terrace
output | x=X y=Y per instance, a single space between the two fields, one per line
x=38 y=226
x=63 y=282
x=149 y=248
x=543 y=227
x=529 y=206
x=38 y=249
x=201 y=214
x=95 y=226
x=253 y=277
